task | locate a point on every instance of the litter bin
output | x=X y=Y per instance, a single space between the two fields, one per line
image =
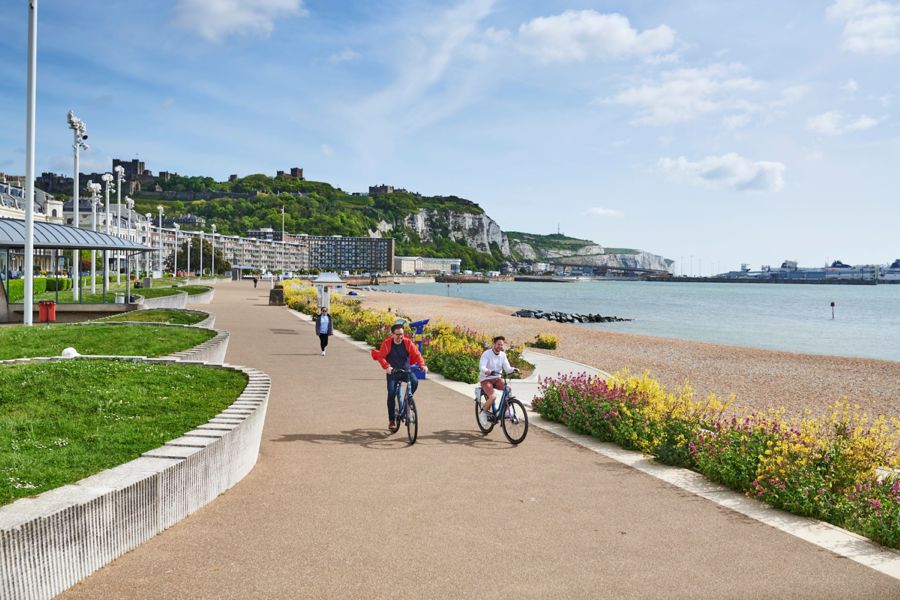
x=47 y=311
x=120 y=298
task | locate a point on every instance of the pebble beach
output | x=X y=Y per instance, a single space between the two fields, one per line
x=758 y=379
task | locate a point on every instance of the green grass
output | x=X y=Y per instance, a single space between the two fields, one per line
x=193 y=290
x=174 y=316
x=61 y=422
x=158 y=292
x=18 y=341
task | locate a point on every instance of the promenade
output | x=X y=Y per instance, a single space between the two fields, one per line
x=338 y=508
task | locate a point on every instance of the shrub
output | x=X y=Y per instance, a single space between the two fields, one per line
x=547 y=341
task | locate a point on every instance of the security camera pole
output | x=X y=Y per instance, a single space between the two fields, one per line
x=95 y=200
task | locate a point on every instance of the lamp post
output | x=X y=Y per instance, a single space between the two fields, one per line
x=201 y=254
x=213 y=253
x=95 y=200
x=30 y=94
x=162 y=211
x=120 y=176
x=79 y=133
x=149 y=223
x=189 y=244
x=282 y=243
x=129 y=204
x=107 y=179
x=175 y=259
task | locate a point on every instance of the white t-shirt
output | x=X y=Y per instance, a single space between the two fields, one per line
x=493 y=362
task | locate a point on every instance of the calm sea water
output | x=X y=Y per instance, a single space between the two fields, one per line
x=795 y=318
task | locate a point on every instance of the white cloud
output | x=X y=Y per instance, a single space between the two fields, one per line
x=870 y=27
x=837 y=123
x=577 y=36
x=685 y=94
x=327 y=150
x=851 y=86
x=597 y=211
x=344 y=55
x=735 y=121
x=729 y=171
x=214 y=20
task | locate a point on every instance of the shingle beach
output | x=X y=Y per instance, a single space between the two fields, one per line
x=759 y=379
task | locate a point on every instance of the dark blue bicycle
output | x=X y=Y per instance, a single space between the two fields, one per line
x=509 y=412
x=405 y=406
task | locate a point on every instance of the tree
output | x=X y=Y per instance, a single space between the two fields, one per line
x=222 y=265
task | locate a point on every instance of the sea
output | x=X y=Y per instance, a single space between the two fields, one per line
x=793 y=318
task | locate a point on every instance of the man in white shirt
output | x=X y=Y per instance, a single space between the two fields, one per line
x=493 y=360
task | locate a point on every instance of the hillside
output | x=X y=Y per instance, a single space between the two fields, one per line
x=441 y=226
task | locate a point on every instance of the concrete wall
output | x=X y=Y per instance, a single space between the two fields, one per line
x=50 y=542
x=204 y=298
x=72 y=313
x=178 y=300
x=211 y=351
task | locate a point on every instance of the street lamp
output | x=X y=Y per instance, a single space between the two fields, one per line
x=175 y=259
x=162 y=211
x=201 y=254
x=189 y=244
x=79 y=133
x=107 y=179
x=95 y=200
x=129 y=203
x=213 y=270
x=120 y=175
x=149 y=223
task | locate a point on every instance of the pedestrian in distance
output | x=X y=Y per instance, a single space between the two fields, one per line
x=323 y=328
x=254 y=282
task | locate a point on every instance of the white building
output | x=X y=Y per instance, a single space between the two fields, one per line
x=411 y=265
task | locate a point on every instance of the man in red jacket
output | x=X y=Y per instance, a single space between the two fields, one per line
x=397 y=352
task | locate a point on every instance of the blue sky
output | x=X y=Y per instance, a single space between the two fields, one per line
x=725 y=131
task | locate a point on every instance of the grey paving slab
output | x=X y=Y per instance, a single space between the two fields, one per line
x=335 y=505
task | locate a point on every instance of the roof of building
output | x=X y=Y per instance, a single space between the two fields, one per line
x=328 y=278
x=61 y=237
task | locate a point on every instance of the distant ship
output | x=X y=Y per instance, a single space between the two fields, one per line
x=838 y=272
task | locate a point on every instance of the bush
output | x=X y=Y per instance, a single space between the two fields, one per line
x=547 y=341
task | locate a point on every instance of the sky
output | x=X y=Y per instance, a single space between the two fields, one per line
x=713 y=132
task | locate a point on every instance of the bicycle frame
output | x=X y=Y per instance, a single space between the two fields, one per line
x=504 y=400
x=401 y=396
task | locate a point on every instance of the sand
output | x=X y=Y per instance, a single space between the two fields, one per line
x=759 y=379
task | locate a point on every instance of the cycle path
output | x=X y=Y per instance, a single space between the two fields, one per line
x=337 y=507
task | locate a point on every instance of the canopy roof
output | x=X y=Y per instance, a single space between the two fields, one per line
x=62 y=237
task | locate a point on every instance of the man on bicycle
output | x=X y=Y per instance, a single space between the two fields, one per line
x=493 y=360
x=398 y=352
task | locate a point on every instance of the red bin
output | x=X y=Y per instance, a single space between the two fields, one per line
x=47 y=311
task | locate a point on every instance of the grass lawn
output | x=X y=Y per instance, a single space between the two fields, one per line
x=61 y=422
x=18 y=341
x=193 y=290
x=174 y=316
x=158 y=292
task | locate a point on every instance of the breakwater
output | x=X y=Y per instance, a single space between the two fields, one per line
x=561 y=317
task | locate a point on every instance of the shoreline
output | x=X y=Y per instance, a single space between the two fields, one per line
x=760 y=379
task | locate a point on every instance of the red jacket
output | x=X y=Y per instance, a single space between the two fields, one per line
x=381 y=354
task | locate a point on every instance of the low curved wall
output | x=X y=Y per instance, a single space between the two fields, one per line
x=50 y=542
x=202 y=298
x=178 y=300
x=208 y=323
x=210 y=351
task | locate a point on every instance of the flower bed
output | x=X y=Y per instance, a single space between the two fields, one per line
x=840 y=469
x=451 y=351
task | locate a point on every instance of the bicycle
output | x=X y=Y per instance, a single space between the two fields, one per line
x=509 y=411
x=405 y=407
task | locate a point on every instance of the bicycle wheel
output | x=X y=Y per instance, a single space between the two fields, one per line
x=412 y=421
x=490 y=426
x=515 y=421
x=397 y=414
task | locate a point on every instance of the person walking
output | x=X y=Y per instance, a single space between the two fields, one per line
x=254 y=282
x=323 y=328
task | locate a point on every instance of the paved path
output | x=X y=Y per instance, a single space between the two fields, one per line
x=337 y=508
